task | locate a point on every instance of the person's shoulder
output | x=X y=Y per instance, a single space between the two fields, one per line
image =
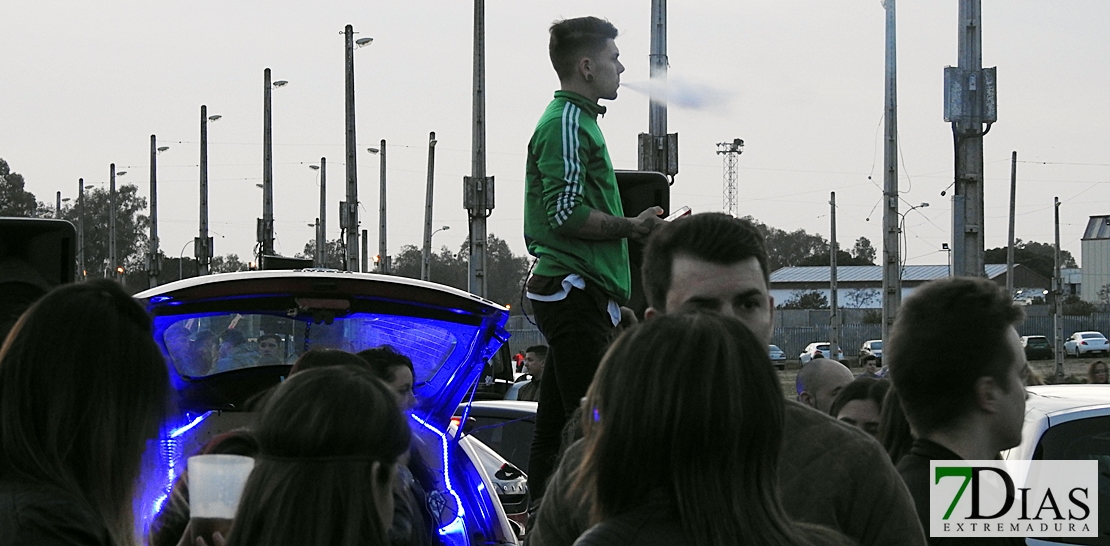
x=810 y=435
x=39 y=514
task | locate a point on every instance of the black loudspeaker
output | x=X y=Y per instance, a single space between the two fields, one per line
x=640 y=190
x=36 y=254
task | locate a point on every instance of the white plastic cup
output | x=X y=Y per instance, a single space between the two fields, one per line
x=216 y=483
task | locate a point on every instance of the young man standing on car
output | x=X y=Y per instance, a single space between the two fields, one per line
x=829 y=473
x=959 y=369
x=575 y=226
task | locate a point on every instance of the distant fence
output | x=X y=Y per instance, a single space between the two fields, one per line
x=807 y=326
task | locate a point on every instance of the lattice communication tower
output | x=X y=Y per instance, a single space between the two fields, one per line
x=730 y=150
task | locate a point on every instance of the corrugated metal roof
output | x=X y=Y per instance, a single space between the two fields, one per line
x=869 y=273
x=1098 y=227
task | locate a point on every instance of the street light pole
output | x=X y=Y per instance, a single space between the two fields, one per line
x=426 y=261
x=351 y=257
x=478 y=189
x=322 y=222
x=202 y=246
x=383 y=249
x=80 y=230
x=266 y=225
x=426 y=268
x=154 y=258
x=112 y=221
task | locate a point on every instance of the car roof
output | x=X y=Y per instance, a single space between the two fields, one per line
x=1050 y=405
x=1089 y=332
x=1057 y=402
x=1031 y=337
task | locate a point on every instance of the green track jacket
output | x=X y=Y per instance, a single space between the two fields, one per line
x=568 y=174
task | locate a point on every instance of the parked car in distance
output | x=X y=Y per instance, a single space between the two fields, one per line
x=1037 y=348
x=1069 y=422
x=821 y=346
x=872 y=350
x=778 y=357
x=1081 y=343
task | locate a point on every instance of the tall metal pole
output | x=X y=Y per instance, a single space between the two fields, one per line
x=202 y=246
x=112 y=224
x=657 y=109
x=58 y=205
x=426 y=255
x=352 y=173
x=154 y=259
x=892 y=271
x=971 y=87
x=322 y=221
x=266 y=230
x=81 y=230
x=834 y=308
x=1058 y=299
x=383 y=250
x=1013 y=208
x=478 y=193
x=365 y=252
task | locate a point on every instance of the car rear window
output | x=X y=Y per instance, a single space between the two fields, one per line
x=876 y=345
x=822 y=347
x=1084 y=440
x=203 y=345
x=1039 y=341
x=1093 y=336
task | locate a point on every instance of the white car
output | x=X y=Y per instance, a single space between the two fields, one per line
x=823 y=347
x=1069 y=422
x=1082 y=343
x=778 y=357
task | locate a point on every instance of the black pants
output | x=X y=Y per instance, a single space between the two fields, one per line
x=577 y=330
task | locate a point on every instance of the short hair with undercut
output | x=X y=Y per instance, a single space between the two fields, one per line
x=539 y=350
x=710 y=236
x=948 y=334
x=572 y=39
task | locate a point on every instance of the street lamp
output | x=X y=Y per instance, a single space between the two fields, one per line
x=322 y=220
x=266 y=223
x=383 y=265
x=946 y=248
x=202 y=248
x=901 y=229
x=426 y=271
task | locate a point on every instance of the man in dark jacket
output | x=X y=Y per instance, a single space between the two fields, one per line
x=958 y=366
x=830 y=473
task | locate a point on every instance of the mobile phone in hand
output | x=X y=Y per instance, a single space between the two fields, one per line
x=684 y=211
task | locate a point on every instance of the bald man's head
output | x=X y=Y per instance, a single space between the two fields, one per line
x=819 y=381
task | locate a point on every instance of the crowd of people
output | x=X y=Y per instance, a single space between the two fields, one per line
x=678 y=431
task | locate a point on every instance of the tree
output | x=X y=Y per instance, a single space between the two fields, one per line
x=864 y=251
x=806 y=300
x=228 y=264
x=131 y=228
x=858 y=298
x=789 y=249
x=505 y=272
x=15 y=200
x=1039 y=257
x=333 y=253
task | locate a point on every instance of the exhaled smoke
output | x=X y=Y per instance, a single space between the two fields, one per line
x=680 y=93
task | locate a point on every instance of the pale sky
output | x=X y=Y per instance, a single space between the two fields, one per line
x=85 y=84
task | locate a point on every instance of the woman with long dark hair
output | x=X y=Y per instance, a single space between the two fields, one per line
x=329 y=440
x=683 y=427
x=83 y=387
